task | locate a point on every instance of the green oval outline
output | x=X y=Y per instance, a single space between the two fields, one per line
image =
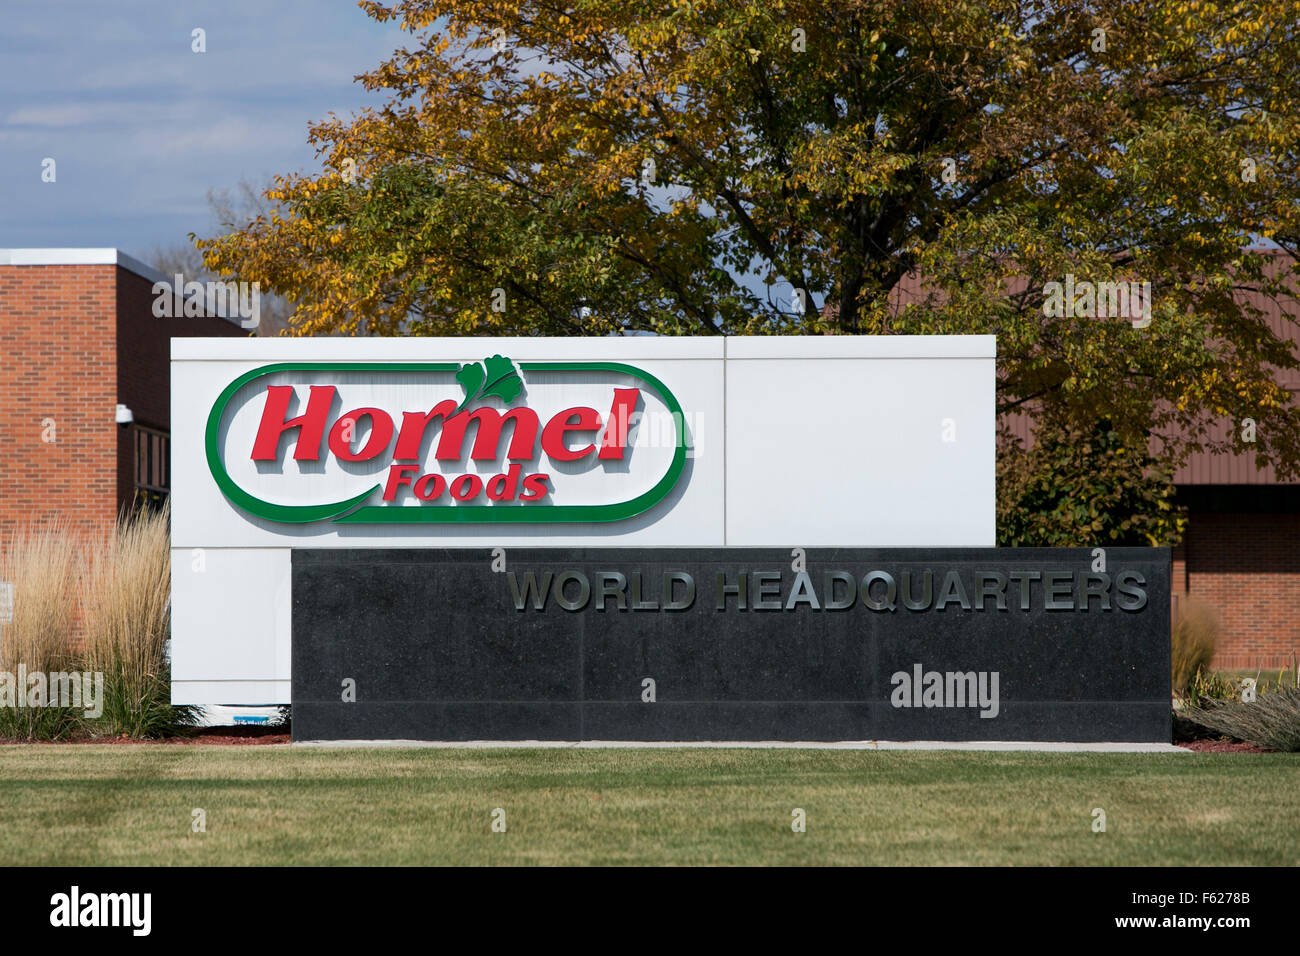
x=343 y=511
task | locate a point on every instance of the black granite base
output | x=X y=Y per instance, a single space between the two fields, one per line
x=438 y=648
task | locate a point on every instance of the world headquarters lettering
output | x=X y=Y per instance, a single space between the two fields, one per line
x=877 y=590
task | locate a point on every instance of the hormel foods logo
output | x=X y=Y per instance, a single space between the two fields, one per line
x=487 y=441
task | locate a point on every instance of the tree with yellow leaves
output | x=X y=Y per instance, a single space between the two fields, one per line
x=767 y=166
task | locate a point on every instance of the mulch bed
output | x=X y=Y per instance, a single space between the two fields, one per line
x=240 y=736
x=1224 y=747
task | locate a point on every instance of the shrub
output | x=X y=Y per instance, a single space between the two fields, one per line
x=41 y=566
x=1204 y=687
x=127 y=605
x=283 y=718
x=1084 y=486
x=1289 y=676
x=1210 y=686
x=1271 y=720
x=1192 y=640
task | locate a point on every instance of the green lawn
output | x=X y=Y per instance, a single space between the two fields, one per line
x=278 y=805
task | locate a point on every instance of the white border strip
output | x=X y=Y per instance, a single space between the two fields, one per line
x=80 y=257
x=610 y=348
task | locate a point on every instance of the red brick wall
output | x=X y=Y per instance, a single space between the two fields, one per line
x=75 y=340
x=1247 y=568
x=57 y=358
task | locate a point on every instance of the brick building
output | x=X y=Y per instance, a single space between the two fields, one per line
x=81 y=347
x=1241 y=553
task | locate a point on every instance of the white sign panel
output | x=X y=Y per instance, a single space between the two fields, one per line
x=639 y=441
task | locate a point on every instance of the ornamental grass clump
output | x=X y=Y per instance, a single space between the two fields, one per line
x=38 y=568
x=127 y=609
x=1192 y=641
x=1271 y=720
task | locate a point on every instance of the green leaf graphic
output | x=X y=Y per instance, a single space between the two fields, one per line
x=492 y=376
x=471 y=377
x=502 y=379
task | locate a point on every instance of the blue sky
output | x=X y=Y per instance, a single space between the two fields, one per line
x=141 y=127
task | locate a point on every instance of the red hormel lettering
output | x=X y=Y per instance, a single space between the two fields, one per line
x=576 y=426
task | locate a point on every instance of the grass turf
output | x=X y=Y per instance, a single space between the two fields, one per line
x=112 y=805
